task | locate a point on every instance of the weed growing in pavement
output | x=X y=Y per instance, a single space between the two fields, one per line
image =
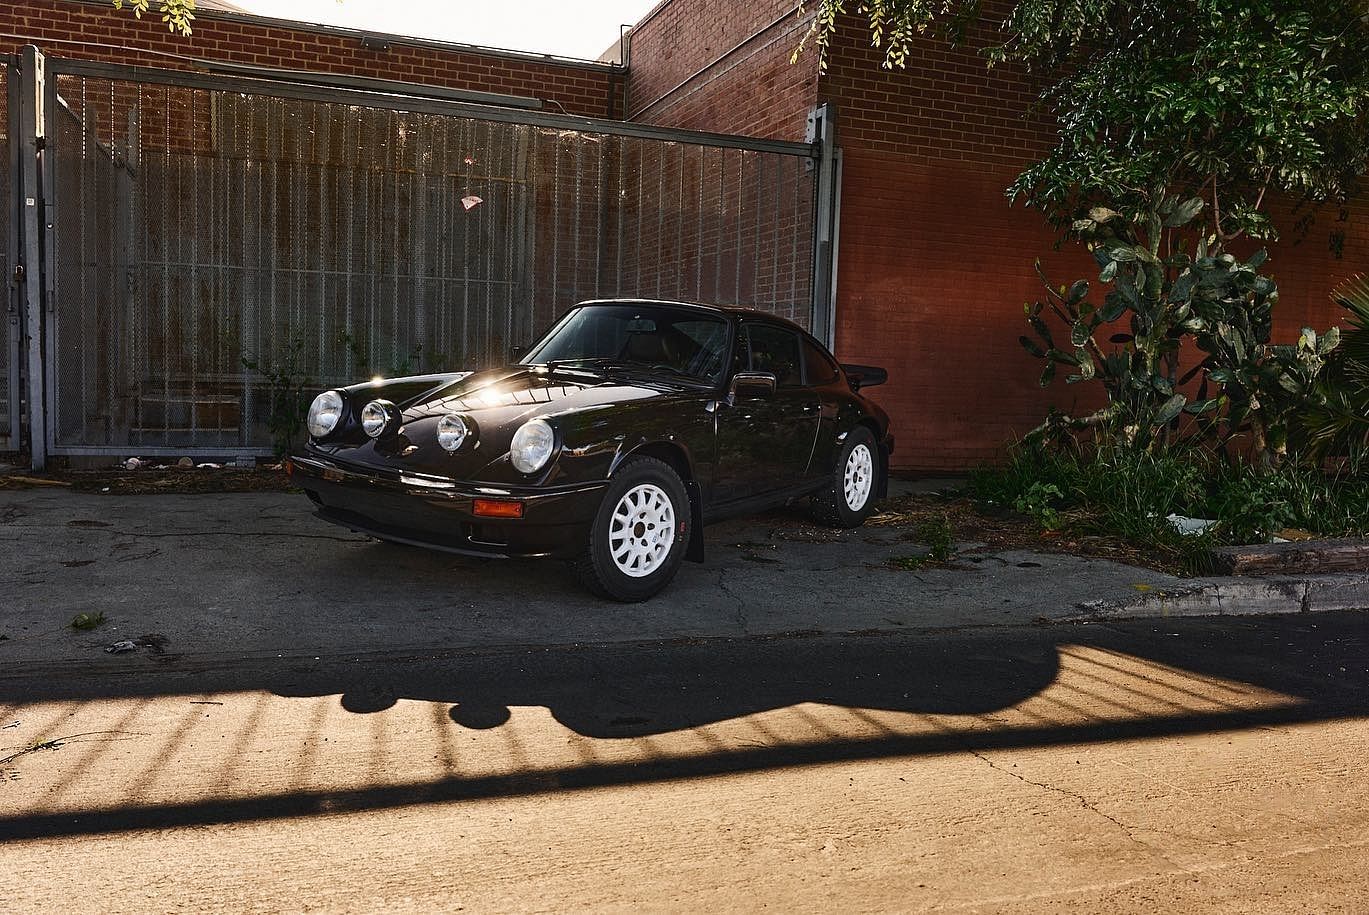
x=939 y=536
x=1039 y=503
x=86 y=621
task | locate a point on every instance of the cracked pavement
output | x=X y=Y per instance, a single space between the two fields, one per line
x=333 y=724
x=260 y=572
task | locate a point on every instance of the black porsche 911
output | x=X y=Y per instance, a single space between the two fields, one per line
x=609 y=443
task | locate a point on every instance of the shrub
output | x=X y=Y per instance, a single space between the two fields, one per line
x=1129 y=494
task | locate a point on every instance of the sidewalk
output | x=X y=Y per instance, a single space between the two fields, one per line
x=257 y=573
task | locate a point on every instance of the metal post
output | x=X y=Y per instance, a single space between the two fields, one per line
x=822 y=133
x=14 y=294
x=32 y=135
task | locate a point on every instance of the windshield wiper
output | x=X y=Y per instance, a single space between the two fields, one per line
x=600 y=364
x=581 y=366
x=642 y=368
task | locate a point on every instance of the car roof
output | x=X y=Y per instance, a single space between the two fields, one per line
x=737 y=311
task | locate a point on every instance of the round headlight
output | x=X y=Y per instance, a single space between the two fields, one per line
x=375 y=417
x=451 y=432
x=324 y=413
x=532 y=446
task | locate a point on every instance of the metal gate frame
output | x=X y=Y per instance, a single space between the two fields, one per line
x=33 y=97
x=13 y=333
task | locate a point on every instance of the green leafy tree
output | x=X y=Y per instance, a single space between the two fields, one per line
x=1177 y=123
x=1225 y=100
x=1162 y=295
x=177 y=14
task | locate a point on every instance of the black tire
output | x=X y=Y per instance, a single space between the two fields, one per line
x=830 y=506
x=596 y=567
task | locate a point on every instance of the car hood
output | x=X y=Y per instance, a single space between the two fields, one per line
x=517 y=394
x=584 y=407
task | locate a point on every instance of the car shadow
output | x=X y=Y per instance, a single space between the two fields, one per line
x=1164 y=678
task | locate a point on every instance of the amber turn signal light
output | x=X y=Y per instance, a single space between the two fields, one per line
x=497 y=508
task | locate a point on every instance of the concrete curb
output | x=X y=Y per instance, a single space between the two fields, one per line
x=1236 y=597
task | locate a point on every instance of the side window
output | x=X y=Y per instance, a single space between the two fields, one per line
x=703 y=347
x=776 y=350
x=818 y=367
x=741 y=351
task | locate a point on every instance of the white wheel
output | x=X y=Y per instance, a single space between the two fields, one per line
x=642 y=530
x=859 y=477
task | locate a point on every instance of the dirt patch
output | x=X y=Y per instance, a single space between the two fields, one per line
x=152 y=480
x=1005 y=531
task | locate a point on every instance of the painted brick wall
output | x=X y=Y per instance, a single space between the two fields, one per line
x=936 y=264
x=578 y=88
x=722 y=66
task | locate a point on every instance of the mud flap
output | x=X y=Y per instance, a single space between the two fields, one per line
x=883 y=491
x=695 y=551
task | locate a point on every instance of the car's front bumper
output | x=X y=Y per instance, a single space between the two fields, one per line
x=438 y=513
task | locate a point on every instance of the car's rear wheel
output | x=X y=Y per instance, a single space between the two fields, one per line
x=640 y=534
x=850 y=497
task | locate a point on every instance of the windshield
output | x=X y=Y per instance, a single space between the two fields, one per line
x=682 y=341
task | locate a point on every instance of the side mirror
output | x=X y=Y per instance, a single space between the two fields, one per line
x=752 y=385
x=516 y=353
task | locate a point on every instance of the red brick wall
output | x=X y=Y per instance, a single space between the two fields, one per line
x=936 y=265
x=722 y=66
x=581 y=89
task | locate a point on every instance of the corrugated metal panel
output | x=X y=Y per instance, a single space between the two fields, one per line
x=198 y=228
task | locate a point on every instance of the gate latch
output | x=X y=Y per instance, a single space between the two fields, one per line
x=18 y=274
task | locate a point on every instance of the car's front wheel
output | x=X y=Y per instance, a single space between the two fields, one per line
x=850 y=497
x=639 y=536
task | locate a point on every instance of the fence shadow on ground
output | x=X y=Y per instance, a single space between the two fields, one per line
x=960 y=692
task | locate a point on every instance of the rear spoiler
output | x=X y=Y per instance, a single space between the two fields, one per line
x=864 y=376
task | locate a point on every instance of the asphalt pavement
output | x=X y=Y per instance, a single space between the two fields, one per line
x=258 y=573
x=309 y=721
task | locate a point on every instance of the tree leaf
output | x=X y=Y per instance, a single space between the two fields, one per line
x=1170 y=409
x=1030 y=346
x=1087 y=370
x=1183 y=213
x=1062 y=357
x=1199 y=407
x=1291 y=384
x=1077 y=292
x=1329 y=341
x=1112 y=309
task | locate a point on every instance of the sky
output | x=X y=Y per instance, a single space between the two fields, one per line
x=573 y=28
